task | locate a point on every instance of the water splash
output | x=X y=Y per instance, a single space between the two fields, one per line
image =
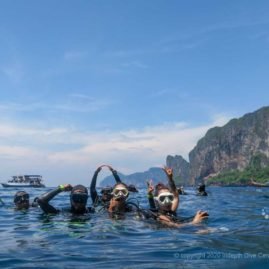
x=265 y=213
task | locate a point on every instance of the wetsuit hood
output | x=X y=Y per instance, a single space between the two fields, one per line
x=80 y=189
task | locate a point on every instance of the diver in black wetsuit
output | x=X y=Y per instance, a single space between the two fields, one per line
x=114 y=199
x=167 y=201
x=119 y=204
x=106 y=193
x=21 y=201
x=201 y=190
x=78 y=199
x=181 y=191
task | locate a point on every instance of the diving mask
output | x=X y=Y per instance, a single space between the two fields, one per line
x=165 y=198
x=120 y=192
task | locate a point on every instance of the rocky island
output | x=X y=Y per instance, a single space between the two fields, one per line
x=235 y=154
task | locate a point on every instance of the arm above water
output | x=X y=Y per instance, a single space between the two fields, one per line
x=93 y=191
x=199 y=217
x=115 y=174
x=150 y=195
x=44 y=199
x=172 y=185
x=35 y=202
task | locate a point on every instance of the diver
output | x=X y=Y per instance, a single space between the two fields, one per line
x=22 y=201
x=132 y=188
x=78 y=199
x=106 y=193
x=118 y=203
x=181 y=191
x=165 y=201
x=113 y=199
x=201 y=190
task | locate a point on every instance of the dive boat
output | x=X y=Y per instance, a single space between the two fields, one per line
x=25 y=181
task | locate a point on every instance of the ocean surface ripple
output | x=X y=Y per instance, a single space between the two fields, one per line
x=235 y=235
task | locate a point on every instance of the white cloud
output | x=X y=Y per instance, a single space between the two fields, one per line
x=127 y=150
x=15 y=152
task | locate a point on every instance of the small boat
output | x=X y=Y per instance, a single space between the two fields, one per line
x=25 y=181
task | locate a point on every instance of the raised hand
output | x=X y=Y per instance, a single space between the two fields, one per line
x=200 y=215
x=108 y=166
x=168 y=171
x=150 y=186
x=66 y=187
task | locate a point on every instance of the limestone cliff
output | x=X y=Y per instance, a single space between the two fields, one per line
x=181 y=169
x=232 y=146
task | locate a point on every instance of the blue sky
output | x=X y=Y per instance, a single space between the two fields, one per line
x=123 y=82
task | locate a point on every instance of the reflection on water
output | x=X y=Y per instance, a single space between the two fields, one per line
x=235 y=235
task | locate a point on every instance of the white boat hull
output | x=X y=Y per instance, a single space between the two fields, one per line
x=10 y=185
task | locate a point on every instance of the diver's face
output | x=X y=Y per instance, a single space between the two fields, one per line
x=165 y=199
x=22 y=201
x=120 y=193
x=78 y=206
x=106 y=197
x=79 y=200
x=23 y=205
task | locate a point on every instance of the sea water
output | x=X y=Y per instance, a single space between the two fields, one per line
x=236 y=234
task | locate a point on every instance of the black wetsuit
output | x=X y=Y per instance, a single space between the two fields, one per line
x=201 y=190
x=44 y=199
x=34 y=203
x=96 y=199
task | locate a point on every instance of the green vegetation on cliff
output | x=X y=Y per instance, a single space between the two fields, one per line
x=256 y=171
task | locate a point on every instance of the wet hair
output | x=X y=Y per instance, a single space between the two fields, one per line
x=120 y=183
x=106 y=190
x=158 y=187
x=20 y=193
